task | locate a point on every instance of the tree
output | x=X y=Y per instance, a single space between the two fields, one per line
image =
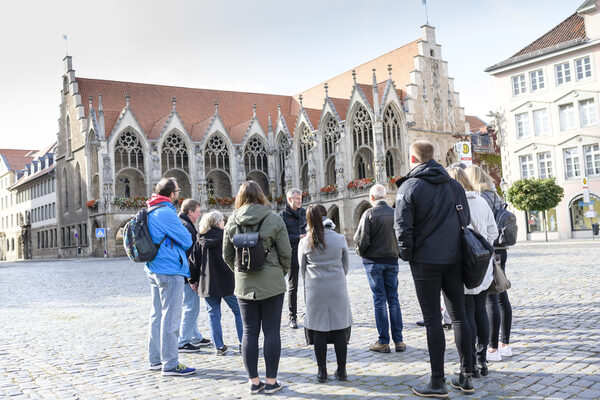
x=535 y=195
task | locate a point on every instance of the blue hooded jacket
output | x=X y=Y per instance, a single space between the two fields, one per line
x=164 y=223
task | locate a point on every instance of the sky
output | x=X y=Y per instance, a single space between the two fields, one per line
x=268 y=46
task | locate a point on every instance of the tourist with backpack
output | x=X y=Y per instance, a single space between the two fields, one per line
x=166 y=273
x=498 y=305
x=257 y=248
x=190 y=338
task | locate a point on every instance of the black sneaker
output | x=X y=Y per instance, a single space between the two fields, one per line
x=270 y=389
x=222 y=351
x=203 y=342
x=255 y=389
x=463 y=383
x=189 y=348
x=293 y=324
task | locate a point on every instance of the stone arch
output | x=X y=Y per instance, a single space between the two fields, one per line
x=363 y=163
x=393 y=140
x=119 y=249
x=334 y=214
x=95 y=186
x=361 y=127
x=129 y=165
x=256 y=162
x=130 y=182
x=360 y=210
x=331 y=134
x=174 y=153
x=218 y=184
x=183 y=180
x=217 y=166
x=97 y=243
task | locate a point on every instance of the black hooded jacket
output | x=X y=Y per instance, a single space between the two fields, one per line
x=426 y=220
x=295 y=223
x=214 y=277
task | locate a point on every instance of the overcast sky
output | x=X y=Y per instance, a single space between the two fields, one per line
x=271 y=46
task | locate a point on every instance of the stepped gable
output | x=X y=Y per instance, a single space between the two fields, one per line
x=151 y=103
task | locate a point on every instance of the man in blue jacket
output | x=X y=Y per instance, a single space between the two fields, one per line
x=166 y=275
x=429 y=237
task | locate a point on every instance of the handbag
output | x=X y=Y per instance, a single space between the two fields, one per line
x=476 y=250
x=500 y=283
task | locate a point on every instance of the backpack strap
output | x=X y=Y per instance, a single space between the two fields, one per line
x=459 y=207
x=150 y=209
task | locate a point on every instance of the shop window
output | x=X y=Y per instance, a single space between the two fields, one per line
x=577 y=209
x=535 y=221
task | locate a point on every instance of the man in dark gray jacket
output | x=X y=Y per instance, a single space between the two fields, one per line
x=429 y=236
x=376 y=243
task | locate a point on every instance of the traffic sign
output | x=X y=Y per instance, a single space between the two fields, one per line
x=100 y=233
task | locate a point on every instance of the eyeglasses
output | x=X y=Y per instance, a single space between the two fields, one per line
x=178 y=190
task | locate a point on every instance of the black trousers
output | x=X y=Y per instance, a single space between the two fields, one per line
x=429 y=280
x=479 y=324
x=339 y=342
x=266 y=314
x=499 y=310
x=292 y=293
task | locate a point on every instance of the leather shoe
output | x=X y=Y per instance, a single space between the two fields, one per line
x=483 y=368
x=322 y=374
x=340 y=374
x=463 y=383
x=435 y=388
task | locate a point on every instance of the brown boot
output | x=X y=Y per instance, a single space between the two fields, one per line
x=379 y=347
x=400 y=346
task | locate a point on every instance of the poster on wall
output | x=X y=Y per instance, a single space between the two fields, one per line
x=465 y=156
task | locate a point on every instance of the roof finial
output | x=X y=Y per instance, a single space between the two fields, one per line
x=216 y=106
x=270 y=122
x=253 y=110
x=374 y=78
x=326 y=89
x=90 y=99
x=354 y=76
x=300 y=98
x=100 y=103
x=127 y=99
x=390 y=71
x=174 y=101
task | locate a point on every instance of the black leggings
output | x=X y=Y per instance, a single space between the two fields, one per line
x=292 y=292
x=265 y=313
x=479 y=324
x=499 y=310
x=339 y=343
x=429 y=280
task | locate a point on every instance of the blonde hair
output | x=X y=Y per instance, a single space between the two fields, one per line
x=209 y=220
x=459 y=174
x=480 y=180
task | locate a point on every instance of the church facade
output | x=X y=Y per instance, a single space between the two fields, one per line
x=117 y=139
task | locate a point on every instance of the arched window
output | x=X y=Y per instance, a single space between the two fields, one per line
x=391 y=129
x=65 y=183
x=217 y=167
x=305 y=143
x=174 y=153
x=362 y=141
x=389 y=164
x=68 y=136
x=256 y=164
x=330 y=136
x=283 y=151
x=129 y=152
x=78 y=194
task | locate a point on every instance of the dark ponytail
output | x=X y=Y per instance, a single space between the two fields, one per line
x=316 y=232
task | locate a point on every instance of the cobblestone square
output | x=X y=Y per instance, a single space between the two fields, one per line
x=77 y=329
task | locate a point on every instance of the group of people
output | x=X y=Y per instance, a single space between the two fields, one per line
x=423 y=229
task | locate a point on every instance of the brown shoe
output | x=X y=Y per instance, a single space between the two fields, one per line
x=400 y=346
x=379 y=347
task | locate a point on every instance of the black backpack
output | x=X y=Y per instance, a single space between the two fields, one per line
x=250 y=254
x=506 y=223
x=136 y=237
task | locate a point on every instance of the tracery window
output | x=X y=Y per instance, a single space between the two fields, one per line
x=362 y=128
x=216 y=154
x=128 y=152
x=283 y=151
x=391 y=129
x=174 y=153
x=255 y=156
x=389 y=164
x=305 y=143
x=330 y=137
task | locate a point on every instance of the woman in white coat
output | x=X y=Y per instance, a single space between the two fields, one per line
x=323 y=260
x=482 y=221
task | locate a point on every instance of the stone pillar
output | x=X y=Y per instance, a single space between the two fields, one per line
x=340 y=181
x=379 y=153
x=241 y=169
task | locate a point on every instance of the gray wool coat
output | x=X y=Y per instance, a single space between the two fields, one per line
x=325 y=290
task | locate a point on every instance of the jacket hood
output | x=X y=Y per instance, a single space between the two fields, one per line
x=250 y=214
x=212 y=238
x=431 y=171
x=156 y=199
x=471 y=194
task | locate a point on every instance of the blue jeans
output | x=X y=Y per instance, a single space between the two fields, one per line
x=165 y=315
x=189 y=332
x=383 y=280
x=213 y=306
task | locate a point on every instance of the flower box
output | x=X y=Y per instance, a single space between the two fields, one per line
x=221 y=202
x=129 y=202
x=361 y=184
x=329 y=190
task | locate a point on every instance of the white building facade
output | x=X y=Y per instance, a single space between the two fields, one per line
x=549 y=98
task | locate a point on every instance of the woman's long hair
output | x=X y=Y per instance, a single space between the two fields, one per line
x=316 y=231
x=209 y=220
x=480 y=179
x=459 y=174
x=250 y=193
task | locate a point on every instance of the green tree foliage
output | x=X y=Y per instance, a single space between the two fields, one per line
x=535 y=194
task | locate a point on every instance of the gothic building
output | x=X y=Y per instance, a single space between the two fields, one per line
x=117 y=139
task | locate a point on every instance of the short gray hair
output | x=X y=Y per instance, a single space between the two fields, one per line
x=378 y=192
x=292 y=192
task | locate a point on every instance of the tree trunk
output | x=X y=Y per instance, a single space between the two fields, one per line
x=545 y=225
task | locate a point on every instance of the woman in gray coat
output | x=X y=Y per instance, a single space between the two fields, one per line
x=323 y=261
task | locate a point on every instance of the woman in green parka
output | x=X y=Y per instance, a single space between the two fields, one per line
x=260 y=293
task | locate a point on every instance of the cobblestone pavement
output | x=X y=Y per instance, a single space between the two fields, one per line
x=77 y=329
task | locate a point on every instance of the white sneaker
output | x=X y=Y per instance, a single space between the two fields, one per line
x=505 y=351
x=494 y=356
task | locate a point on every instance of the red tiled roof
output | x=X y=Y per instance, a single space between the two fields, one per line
x=571 y=28
x=314 y=116
x=368 y=91
x=290 y=122
x=341 y=106
x=150 y=103
x=199 y=129
x=17 y=159
x=476 y=124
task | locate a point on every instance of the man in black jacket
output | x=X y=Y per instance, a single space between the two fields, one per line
x=376 y=243
x=429 y=237
x=294 y=217
x=190 y=338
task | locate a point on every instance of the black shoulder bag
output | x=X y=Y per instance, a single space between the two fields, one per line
x=250 y=254
x=476 y=250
